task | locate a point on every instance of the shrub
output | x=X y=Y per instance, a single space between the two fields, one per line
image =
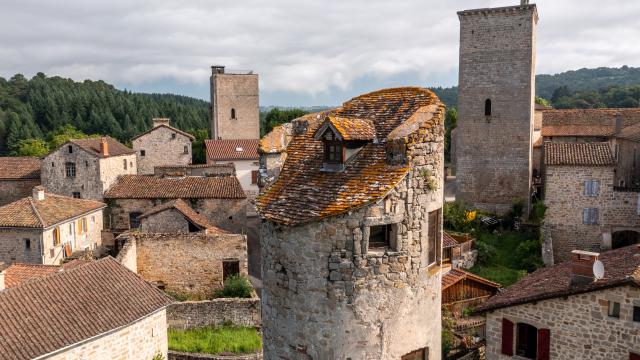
x=447 y=332
x=517 y=209
x=467 y=311
x=537 y=211
x=158 y=356
x=529 y=254
x=486 y=252
x=457 y=218
x=236 y=286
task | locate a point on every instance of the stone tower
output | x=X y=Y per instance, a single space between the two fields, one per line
x=496 y=106
x=352 y=230
x=235 y=110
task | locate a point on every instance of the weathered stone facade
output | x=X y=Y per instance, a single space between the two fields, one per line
x=495 y=106
x=140 y=340
x=184 y=263
x=162 y=145
x=12 y=190
x=216 y=312
x=234 y=105
x=223 y=169
x=579 y=325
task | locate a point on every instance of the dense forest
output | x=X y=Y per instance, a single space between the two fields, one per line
x=43 y=107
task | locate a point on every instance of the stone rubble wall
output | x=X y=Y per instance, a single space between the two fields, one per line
x=216 y=312
x=12 y=190
x=239 y=92
x=176 y=355
x=161 y=149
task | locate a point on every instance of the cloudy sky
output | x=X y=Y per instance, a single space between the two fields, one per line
x=307 y=52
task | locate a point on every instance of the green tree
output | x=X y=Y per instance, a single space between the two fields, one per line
x=450 y=123
x=31 y=147
x=543 y=102
x=199 y=155
x=277 y=117
x=65 y=133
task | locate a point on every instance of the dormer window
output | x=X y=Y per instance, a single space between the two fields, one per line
x=343 y=138
x=333 y=149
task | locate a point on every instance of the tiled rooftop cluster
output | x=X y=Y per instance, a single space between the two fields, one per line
x=23 y=167
x=189 y=187
x=588 y=154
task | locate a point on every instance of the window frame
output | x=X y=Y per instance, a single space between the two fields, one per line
x=387 y=232
x=522 y=349
x=333 y=152
x=27 y=244
x=70 y=149
x=590 y=216
x=70 y=169
x=233 y=113
x=186 y=150
x=143 y=152
x=613 y=309
x=591 y=188
x=125 y=164
x=254 y=177
x=76 y=195
x=134 y=218
x=56 y=236
x=434 y=237
x=635 y=313
x=226 y=263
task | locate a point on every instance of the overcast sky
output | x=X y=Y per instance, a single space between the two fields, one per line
x=306 y=52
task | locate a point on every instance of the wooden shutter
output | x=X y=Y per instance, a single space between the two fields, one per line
x=594 y=216
x=544 y=344
x=586 y=187
x=585 y=216
x=507 y=337
x=596 y=187
x=254 y=176
x=633 y=356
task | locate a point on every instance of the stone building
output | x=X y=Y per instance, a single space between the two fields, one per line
x=563 y=312
x=235 y=110
x=175 y=217
x=243 y=154
x=219 y=199
x=193 y=264
x=99 y=310
x=46 y=228
x=18 y=176
x=86 y=168
x=162 y=145
x=352 y=230
x=496 y=106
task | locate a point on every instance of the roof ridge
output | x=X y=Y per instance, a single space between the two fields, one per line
x=167 y=126
x=36 y=212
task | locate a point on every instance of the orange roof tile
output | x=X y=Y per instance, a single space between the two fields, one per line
x=576 y=130
x=18 y=273
x=92 y=146
x=347 y=128
x=19 y=168
x=585 y=154
x=188 y=187
x=225 y=150
x=54 y=209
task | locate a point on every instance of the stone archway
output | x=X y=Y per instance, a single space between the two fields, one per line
x=624 y=238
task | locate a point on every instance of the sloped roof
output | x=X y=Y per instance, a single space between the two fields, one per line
x=448 y=240
x=277 y=140
x=629 y=116
x=303 y=193
x=18 y=273
x=184 y=133
x=222 y=150
x=456 y=275
x=579 y=154
x=188 y=187
x=92 y=146
x=576 y=130
x=48 y=314
x=182 y=207
x=30 y=213
x=20 y=168
x=348 y=128
x=622 y=266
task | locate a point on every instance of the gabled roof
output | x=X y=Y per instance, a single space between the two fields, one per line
x=54 y=209
x=20 y=168
x=590 y=117
x=304 y=193
x=169 y=127
x=456 y=275
x=224 y=150
x=182 y=207
x=347 y=128
x=92 y=146
x=188 y=187
x=621 y=266
x=44 y=315
x=18 y=273
x=576 y=130
x=448 y=240
x=578 y=154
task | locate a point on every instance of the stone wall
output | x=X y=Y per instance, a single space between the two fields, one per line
x=238 y=92
x=161 y=149
x=327 y=295
x=12 y=246
x=141 y=340
x=176 y=355
x=12 y=190
x=168 y=221
x=193 y=314
x=628 y=163
x=579 y=324
x=497 y=62
x=189 y=264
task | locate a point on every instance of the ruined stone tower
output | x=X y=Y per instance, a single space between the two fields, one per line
x=496 y=106
x=235 y=110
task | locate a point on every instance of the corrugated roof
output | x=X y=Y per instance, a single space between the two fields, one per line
x=223 y=150
x=20 y=168
x=188 y=187
x=54 y=209
x=578 y=154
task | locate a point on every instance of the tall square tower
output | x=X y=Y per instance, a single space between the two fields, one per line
x=496 y=106
x=235 y=112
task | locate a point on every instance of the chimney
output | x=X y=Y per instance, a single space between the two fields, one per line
x=160 y=121
x=104 y=146
x=217 y=69
x=618 y=123
x=582 y=267
x=38 y=193
x=524 y=2
x=2 y=268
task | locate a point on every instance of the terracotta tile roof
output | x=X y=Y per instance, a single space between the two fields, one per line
x=18 y=273
x=303 y=193
x=576 y=130
x=222 y=150
x=191 y=215
x=197 y=166
x=277 y=140
x=456 y=275
x=188 y=187
x=191 y=137
x=47 y=314
x=585 y=154
x=54 y=209
x=542 y=107
x=448 y=240
x=622 y=266
x=590 y=116
x=348 y=128
x=19 y=168
x=92 y=146
x=631 y=132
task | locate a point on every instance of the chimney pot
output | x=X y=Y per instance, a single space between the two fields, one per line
x=217 y=69
x=582 y=266
x=618 y=122
x=161 y=121
x=38 y=193
x=524 y=2
x=104 y=146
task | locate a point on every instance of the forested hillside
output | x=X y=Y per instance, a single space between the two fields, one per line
x=33 y=109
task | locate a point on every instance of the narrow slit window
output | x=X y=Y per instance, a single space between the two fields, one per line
x=233 y=113
x=487 y=107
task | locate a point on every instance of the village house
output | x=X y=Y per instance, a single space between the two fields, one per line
x=220 y=199
x=352 y=230
x=174 y=217
x=162 y=145
x=243 y=154
x=569 y=311
x=99 y=310
x=18 y=176
x=46 y=228
x=86 y=168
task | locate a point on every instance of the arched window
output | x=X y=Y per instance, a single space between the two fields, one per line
x=233 y=113
x=487 y=107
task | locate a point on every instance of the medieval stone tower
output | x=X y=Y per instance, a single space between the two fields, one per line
x=496 y=106
x=235 y=110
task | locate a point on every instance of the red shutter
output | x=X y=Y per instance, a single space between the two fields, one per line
x=254 y=176
x=633 y=356
x=507 y=337
x=544 y=344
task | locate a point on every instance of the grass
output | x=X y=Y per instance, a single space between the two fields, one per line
x=216 y=340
